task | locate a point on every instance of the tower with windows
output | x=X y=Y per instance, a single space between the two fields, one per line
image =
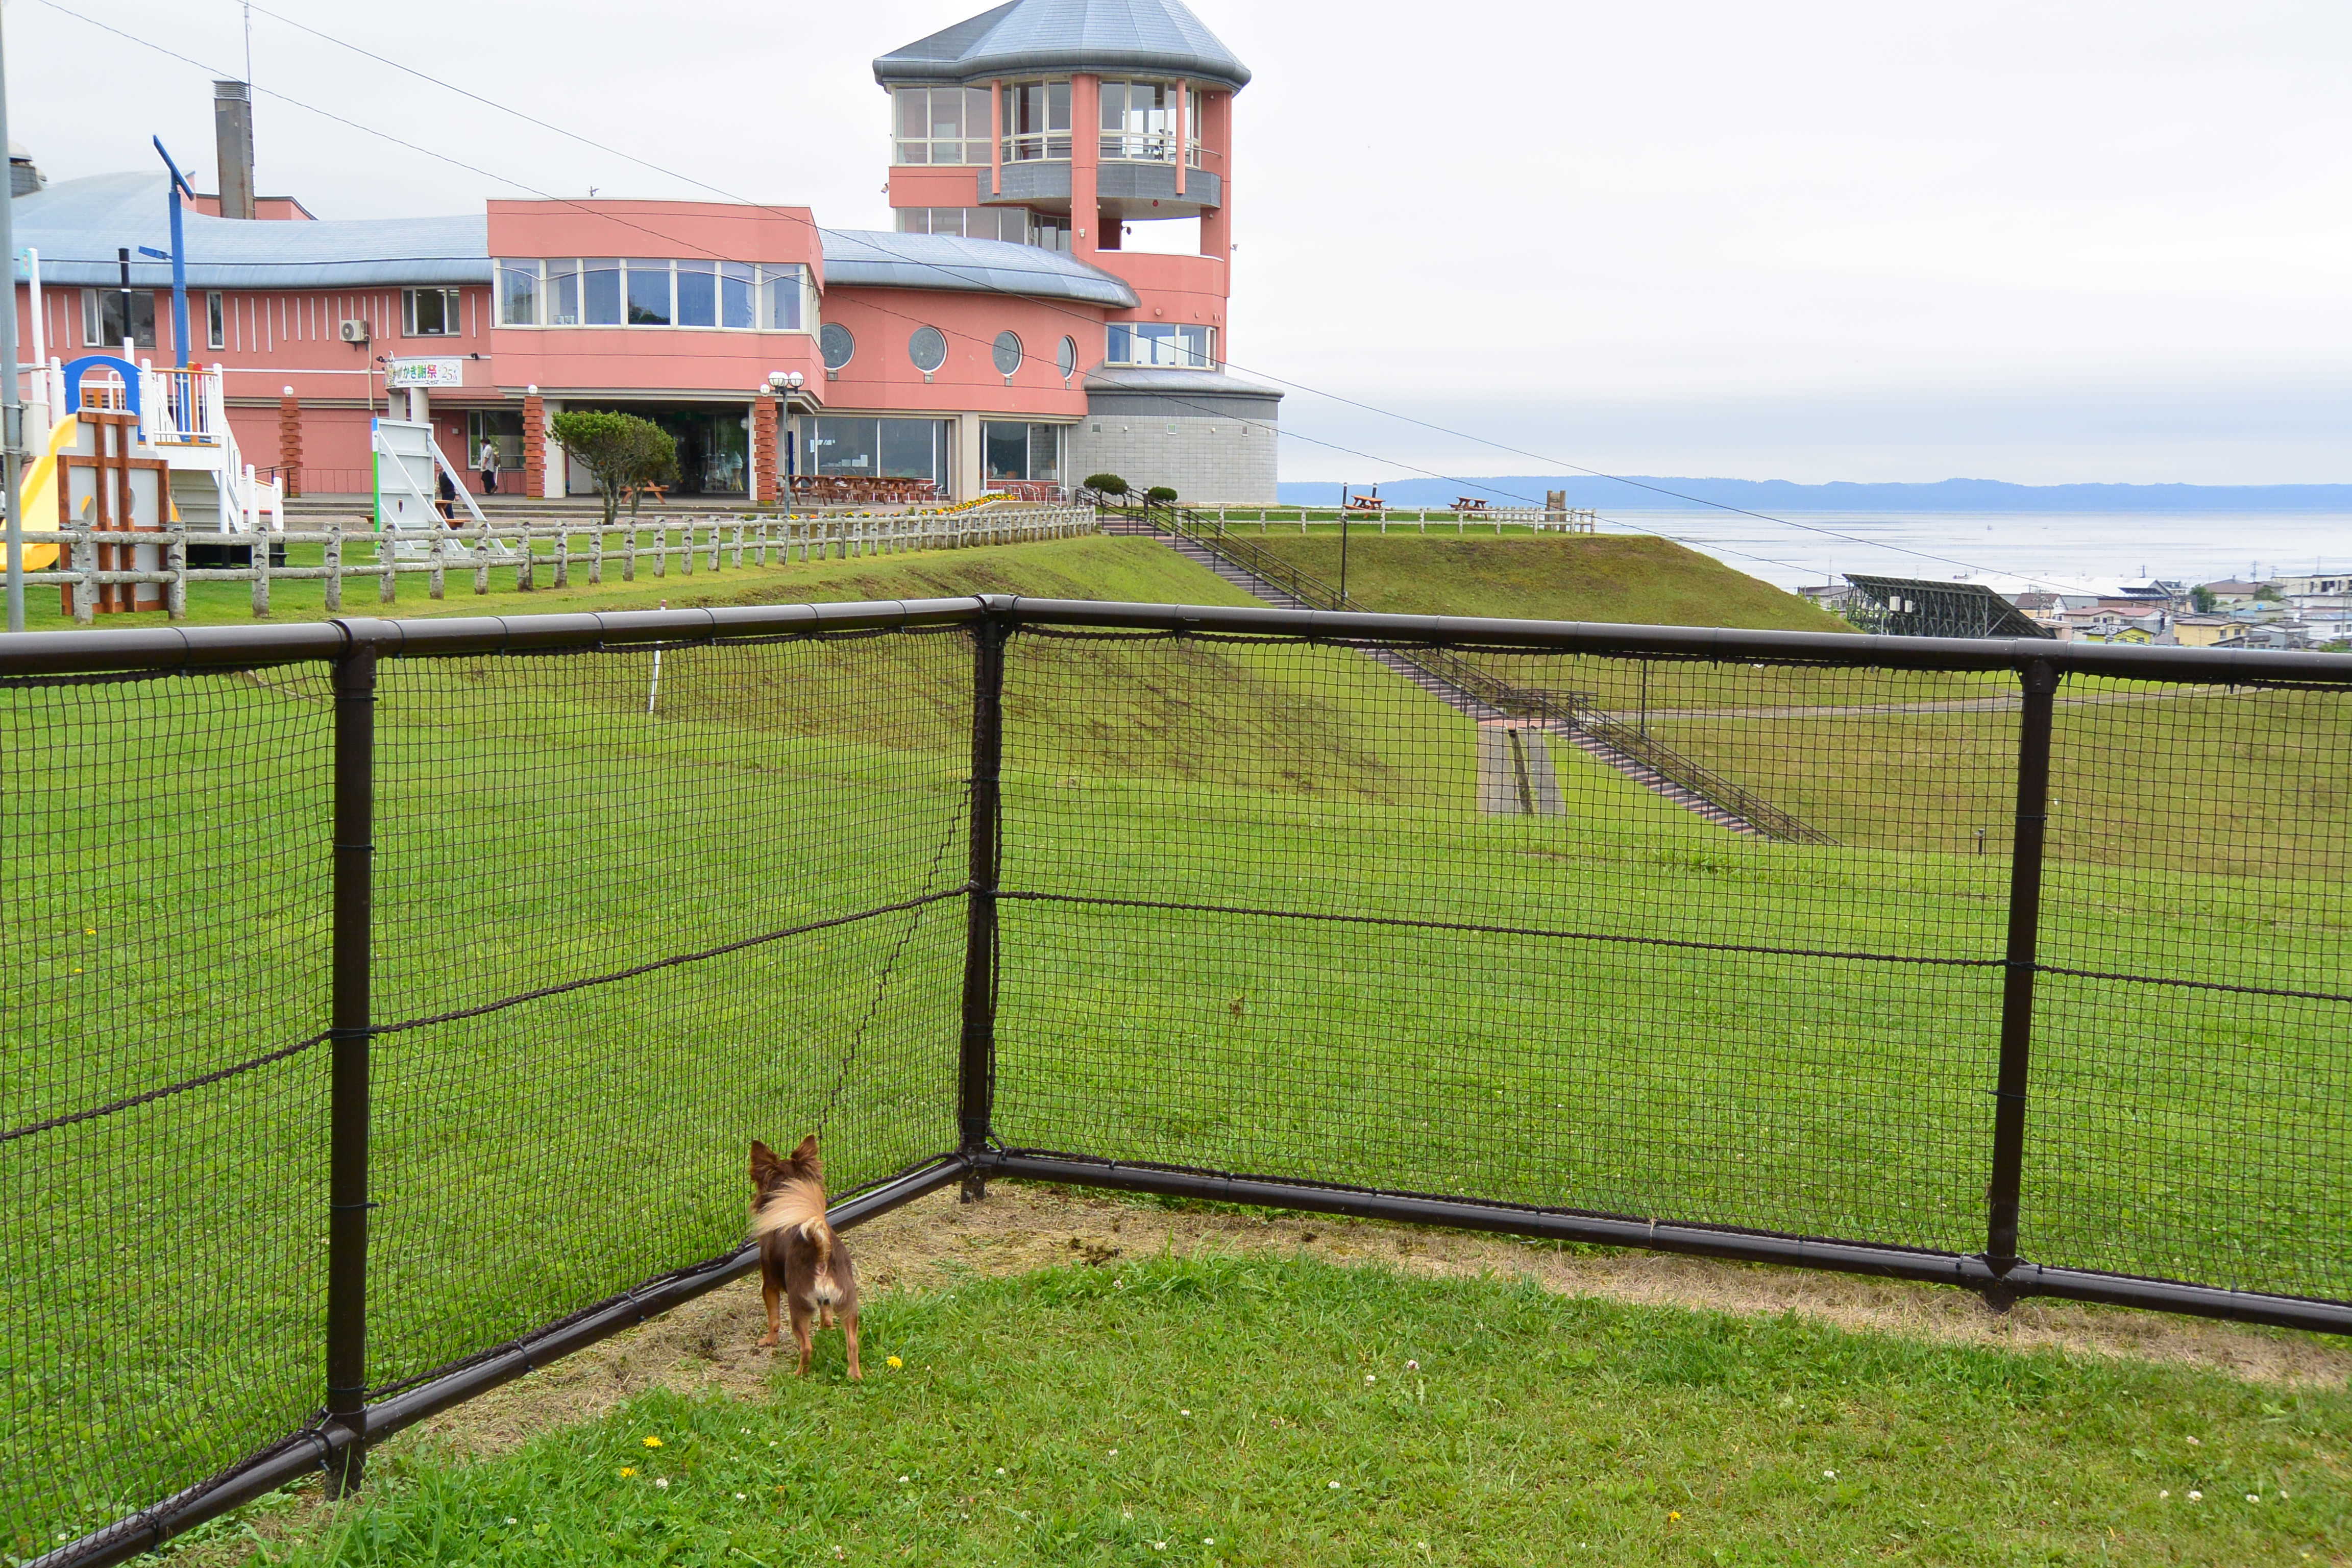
x=1102 y=128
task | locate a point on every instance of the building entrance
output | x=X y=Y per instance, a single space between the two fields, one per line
x=714 y=447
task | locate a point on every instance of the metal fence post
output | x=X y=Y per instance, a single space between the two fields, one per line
x=976 y=1065
x=347 y=1198
x=2040 y=682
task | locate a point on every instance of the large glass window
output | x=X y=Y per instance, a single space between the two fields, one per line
x=109 y=316
x=649 y=301
x=216 y=321
x=858 y=447
x=697 y=293
x=1162 y=343
x=1014 y=225
x=1021 y=451
x=941 y=125
x=1036 y=121
x=838 y=345
x=601 y=288
x=1137 y=120
x=650 y=292
x=518 y=293
x=927 y=348
x=736 y=282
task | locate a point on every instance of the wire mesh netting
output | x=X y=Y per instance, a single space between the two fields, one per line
x=164 y=871
x=551 y=832
x=1687 y=939
x=2189 y=1082
x=1692 y=941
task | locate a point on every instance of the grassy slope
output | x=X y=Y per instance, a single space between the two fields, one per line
x=1585 y=578
x=1207 y=1411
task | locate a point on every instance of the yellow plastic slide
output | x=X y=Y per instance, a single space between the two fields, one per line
x=39 y=494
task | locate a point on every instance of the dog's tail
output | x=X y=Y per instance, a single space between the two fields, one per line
x=799 y=1205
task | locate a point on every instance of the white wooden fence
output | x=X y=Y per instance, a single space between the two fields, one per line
x=1497 y=520
x=527 y=550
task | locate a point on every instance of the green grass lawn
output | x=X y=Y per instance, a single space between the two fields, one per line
x=1207 y=1410
x=1558 y=577
x=164 y=888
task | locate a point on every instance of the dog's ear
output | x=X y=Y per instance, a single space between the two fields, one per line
x=765 y=1164
x=806 y=1156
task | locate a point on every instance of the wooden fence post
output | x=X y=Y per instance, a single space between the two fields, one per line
x=482 y=558
x=387 y=565
x=437 y=584
x=526 y=574
x=562 y=556
x=176 y=562
x=259 y=556
x=334 y=578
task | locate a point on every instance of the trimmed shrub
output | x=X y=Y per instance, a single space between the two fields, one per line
x=1108 y=484
x=1163 y=494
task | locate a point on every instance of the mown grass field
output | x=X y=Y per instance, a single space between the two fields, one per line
x=537 y=826
x=1217 y=1411
x=1561 y=577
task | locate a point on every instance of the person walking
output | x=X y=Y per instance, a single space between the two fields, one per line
x=486 y=459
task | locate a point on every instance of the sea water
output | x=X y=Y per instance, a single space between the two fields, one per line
x=2069 y=550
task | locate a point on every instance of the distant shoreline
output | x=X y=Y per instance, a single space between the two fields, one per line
x=1777 y=495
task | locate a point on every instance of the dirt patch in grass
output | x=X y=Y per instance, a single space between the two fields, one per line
x=710 y=1344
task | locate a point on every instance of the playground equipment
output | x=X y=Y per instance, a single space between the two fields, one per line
x=409 y=469
x=109 y=482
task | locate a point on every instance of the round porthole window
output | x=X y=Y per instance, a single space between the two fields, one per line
x=927 y=348
x=1007 y=353
x=837 y=345
x=1068 y=358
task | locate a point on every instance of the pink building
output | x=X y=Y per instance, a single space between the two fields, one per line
x=1004 y=331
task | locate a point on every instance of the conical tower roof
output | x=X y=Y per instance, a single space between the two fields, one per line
x=1159 y=37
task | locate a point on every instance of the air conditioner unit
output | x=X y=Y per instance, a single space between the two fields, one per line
x=355 y=331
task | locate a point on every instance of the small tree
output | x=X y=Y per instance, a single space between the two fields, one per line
x=2201 y=599
x=1162 y=494
x=1108 y=484
x=620 y=450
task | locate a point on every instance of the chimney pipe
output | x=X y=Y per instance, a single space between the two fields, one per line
x=233 y=139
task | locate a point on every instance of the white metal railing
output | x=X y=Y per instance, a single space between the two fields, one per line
x=560 y=548
x=184 y=413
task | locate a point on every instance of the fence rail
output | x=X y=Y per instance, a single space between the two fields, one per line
x=1420 y=520
x=527 y=549
x=1182 y=899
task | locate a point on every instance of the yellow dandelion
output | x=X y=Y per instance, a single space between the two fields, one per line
x=628 y=1470
x=90 y=931
x=1671 y=1514
x=893 y=1362
x=653 y=1442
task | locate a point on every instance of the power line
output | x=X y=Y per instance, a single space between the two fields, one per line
x=968 y=278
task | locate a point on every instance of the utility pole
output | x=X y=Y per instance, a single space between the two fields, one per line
x=12 y=401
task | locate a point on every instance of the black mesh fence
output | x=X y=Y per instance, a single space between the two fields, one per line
x=1715 y=939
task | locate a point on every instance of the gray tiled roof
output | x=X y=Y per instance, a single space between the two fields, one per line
x=77 y=226
x=1155 y=37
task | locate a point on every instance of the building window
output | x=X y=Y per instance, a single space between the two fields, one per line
x=1138 y=121
x=501 y=429
x=941 y=125
x=1021 y=451
x=1014 y=225
x=1162 y=343
x=1066 y=358
x=429 y=313
x=837 y=343
x=1007 y=353
x=216 y=321
x=649 y=291
x=109 y=315
x=928 y=347
x=866 y=447
x=1037 y=123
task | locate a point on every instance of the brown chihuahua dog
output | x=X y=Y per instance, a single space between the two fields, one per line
x=801 y=1259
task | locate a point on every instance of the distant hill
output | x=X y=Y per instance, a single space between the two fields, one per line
x=1779 y=495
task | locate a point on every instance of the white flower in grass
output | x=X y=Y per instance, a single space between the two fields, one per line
x=2254 y=1497
x=1335 y=1485
x=510 y=1519
x=1370 y=1378
x=1208 y=1540
x=1413 y=1366
x=740 y=1497
x=1829 y=1475
x=902 y=1480
x=2196 y=1497
x=2162 y=1493
x=663 y=1482
x=999 y=1470
x=1114 y=1453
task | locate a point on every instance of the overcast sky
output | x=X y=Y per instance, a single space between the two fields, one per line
x=1863 y=240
